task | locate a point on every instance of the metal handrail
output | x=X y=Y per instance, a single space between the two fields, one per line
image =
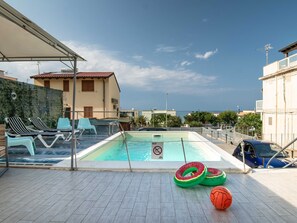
x=182 y=141
x=122 y=131
x=290 y=143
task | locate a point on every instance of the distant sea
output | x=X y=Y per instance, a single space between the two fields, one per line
x=182 y=114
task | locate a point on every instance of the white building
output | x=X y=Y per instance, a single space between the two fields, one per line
x=279 y=98
x=148 y=114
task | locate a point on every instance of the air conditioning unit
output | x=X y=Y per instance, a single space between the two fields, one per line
x=114 y=101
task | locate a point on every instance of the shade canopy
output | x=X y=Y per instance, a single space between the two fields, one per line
x=23 y=40
x=289 y=48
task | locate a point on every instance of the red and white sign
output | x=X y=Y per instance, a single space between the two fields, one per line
x=157 y=150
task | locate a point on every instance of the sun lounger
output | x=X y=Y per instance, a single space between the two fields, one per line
x=26 y=141
x=64 y=125
x=40 y=125
x=18 y=127
x=84 y=123
x=3 y=149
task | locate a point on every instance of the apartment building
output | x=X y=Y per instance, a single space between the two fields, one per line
x=279 y=104
x=97 y=93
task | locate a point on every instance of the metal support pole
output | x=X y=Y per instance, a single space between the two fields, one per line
x=166 y=110
x=73 y=141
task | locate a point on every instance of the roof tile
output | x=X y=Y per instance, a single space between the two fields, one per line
x=70 y=75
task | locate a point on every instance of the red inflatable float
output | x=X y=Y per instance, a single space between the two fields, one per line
x=214 y=177
x=190 y=174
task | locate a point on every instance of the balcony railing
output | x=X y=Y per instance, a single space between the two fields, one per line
x=285 y=63
x=259 y=105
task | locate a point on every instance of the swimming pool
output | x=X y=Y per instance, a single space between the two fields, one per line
x=110 y=154
x=140 y=148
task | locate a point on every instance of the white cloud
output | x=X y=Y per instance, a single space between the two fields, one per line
x=169 y=49
x=166 y=49
x=206 y=55
x=185 y=63
x=137 y=57
x=150 y=78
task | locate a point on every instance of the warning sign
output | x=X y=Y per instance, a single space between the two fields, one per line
x=157 y=150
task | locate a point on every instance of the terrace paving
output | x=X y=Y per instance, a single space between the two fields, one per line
x=40 y=195
x=43 y=195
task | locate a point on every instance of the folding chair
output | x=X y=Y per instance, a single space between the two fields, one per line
x=84 y=123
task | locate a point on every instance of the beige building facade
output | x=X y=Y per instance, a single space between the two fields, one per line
x=3 y=76
x=97 y=93
x=279 y=104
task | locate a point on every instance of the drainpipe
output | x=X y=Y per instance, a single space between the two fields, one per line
x=285 y=110
x=276 y=108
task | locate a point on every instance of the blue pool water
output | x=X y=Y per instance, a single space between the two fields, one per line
x=140 y=148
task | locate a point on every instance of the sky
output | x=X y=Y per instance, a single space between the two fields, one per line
x=192 y=55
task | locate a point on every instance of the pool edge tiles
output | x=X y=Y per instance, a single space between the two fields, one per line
x=139 y=166
x=228 y=163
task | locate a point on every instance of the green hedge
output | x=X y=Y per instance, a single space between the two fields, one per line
x=27 y=100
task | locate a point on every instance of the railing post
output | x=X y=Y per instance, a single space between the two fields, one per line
x=182 y=141
x=243 y=156
x=125 y=142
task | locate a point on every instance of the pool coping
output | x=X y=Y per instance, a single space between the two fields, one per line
x=229 y=163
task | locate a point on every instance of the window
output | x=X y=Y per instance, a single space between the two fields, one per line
x=67 y=112
x=88 y=112
x=66 y=85
x=47 y=84
x=87 y=85
x=269 y=120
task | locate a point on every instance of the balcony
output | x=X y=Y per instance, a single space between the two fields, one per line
x=285 y=63
x=259 y=106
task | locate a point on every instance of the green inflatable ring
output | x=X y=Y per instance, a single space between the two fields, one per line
x=214 y=177
x=197 y=173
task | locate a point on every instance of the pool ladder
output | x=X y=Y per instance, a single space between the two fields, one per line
x=290 y=163
x=122 y=131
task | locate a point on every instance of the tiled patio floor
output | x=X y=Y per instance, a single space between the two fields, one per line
x=36 y=195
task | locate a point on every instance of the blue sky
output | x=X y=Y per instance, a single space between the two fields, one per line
x=207 y=55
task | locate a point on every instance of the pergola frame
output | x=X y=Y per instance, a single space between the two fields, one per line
x=22 y=40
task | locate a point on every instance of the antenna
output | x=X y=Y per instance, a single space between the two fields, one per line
x=38 y=67
x=267 y=47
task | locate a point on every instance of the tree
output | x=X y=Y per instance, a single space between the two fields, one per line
x=140 y=121
x=250 y=123
x=198 y=118
x=174 y=121
x=158 y=120
x=228 y=117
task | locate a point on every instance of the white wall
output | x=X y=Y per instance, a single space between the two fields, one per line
x=280 y=106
